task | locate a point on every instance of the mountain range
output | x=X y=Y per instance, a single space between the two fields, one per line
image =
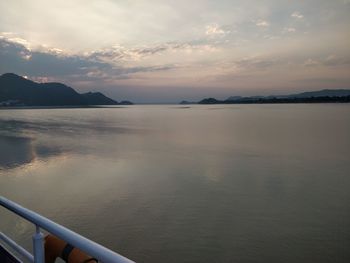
x=321 y=96
x=18 y=91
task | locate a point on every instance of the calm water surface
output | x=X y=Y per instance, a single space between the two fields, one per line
x=245 y=183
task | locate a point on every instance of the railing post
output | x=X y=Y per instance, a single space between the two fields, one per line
x=84 y=244
x=38 y=246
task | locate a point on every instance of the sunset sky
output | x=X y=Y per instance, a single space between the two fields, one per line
x=167 y=51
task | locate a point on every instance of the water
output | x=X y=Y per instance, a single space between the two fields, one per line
x=235 y=183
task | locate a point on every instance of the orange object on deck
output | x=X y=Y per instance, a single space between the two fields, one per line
x=55 y=247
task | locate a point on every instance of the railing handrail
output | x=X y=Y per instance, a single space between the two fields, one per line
x=92 y=248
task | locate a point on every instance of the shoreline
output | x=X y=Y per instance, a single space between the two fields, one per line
x=59 y=107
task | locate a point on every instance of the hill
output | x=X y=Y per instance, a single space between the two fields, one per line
x=322 y=93
x=321 y=96
x=92 y=97
x=331 y=93
x=18 y=91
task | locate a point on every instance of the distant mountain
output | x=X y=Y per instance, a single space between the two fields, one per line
x=209 y=101
x=233 y=98
x=16 y=90
x=240 y=98
x=322 y=93
x=321 y=96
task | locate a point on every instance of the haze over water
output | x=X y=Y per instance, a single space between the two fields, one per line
x=233 y=183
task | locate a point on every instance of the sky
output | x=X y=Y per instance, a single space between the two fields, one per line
x=168 y=51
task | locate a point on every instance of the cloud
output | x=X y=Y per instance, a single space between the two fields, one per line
x=51 y=64
x=262 y=23
x=297 y=15
x=214 y=30
x=329 y=61
x=311 y=63
x=333 y=60
x=17 y=57
x=136 y=53
x=258 y=63
x=289 y=30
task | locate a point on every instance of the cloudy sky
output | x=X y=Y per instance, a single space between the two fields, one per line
x=166 y=51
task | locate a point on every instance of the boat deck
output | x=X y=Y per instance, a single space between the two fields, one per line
x=6 y=257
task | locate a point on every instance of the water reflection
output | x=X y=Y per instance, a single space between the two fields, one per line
x=62 y=127
x=23 y=142
x=205 y=184
x=15 y=151
x=19 y=151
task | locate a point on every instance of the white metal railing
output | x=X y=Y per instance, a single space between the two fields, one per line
x=95 y=250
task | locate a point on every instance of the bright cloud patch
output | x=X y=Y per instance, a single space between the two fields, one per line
x=215 y=30
x=262 y=23
x=297 y=15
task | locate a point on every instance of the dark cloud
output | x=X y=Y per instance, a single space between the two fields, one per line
x=17 y=58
